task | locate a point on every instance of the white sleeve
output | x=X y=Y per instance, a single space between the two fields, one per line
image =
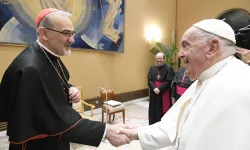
x=104 y=134
x=154 y=136
x=163 y=133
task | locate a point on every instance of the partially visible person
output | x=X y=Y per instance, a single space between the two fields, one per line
x=35 y=94
x=160 y=77
x=243 y=54
x=213 y=114
x=180 y=84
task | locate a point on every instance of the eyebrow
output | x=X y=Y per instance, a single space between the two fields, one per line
x=68 y=30
x=185 y=42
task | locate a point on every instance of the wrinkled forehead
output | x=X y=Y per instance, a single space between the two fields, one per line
x=61 y=21
x=191 y=35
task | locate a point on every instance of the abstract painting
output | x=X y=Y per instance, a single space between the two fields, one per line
x=99 y=24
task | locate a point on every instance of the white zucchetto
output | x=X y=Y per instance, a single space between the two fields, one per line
x=217 y=27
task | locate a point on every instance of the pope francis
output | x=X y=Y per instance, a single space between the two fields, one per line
x=213 y=114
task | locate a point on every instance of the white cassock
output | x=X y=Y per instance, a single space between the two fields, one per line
x=213 y=114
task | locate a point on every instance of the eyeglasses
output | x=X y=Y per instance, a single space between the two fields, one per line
x=66 y=33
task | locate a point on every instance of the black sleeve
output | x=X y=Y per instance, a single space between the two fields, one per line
x=173 y=86
x=5 y=98
x=85 y=132
x=168 y=79
x=150 y=79
x=165 y=86
x=171 y=74
x=39 y=108
x=173 y=90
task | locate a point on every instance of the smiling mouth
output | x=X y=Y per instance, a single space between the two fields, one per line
x=186 y=61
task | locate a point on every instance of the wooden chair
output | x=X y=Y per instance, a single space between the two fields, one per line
x=111 y=110
x=79 y=107
x=3 y=126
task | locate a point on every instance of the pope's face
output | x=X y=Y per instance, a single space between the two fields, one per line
x=193 y=53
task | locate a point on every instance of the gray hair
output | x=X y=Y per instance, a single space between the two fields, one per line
x=46 y=22
x=160 y=53
x=227 y=47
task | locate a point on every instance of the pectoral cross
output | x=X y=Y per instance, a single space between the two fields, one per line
x=158 y=76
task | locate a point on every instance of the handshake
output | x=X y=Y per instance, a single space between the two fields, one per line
x=121 y=134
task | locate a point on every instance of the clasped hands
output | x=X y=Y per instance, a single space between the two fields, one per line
x=157 y=91
x=120 y=134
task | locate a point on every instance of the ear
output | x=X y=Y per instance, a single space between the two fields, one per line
x=43 y=33
x=214 y=48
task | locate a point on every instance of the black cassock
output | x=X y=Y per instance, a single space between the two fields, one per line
x=34 y=104
x=166 y=75
x=180 y=83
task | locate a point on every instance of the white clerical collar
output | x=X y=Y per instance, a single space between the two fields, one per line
x=213 y=69
x=44 y=47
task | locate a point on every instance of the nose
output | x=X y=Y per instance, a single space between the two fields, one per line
x=180 y=54
x=71 y=39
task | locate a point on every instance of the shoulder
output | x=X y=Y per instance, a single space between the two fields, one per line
x=29 y=70
x=233 y=78
x=180 y=70
x=153 y=67
x=15 y=73
x=29 y=57
x=27 y=61
x=167 y=66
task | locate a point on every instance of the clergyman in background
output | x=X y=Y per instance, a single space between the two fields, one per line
x=180 y=84
x=160 y=77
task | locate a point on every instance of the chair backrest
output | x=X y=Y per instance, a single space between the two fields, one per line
x=3 y=126
x=78 y=106
x=110 y=95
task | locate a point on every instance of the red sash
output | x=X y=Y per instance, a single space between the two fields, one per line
x=180 y=90
x=165 y=98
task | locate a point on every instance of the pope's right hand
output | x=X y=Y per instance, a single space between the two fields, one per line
x=130 y=132
x=114 y=138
